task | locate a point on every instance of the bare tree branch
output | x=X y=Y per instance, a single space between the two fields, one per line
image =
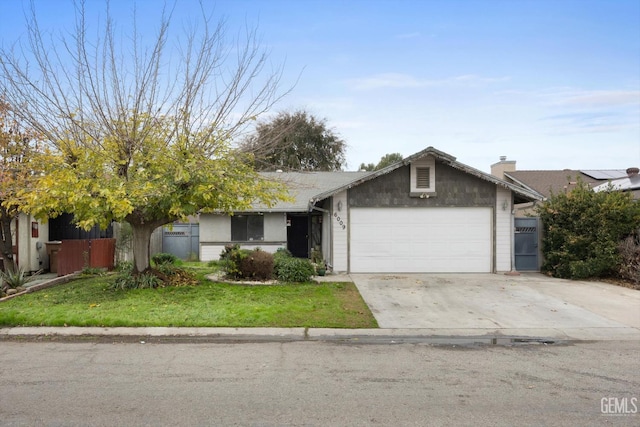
x=83 y=88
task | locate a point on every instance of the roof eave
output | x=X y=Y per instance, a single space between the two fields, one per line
x=375 y=174
x=523 y=185
x=527 y=193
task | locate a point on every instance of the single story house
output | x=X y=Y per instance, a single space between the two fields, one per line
x=426 y=213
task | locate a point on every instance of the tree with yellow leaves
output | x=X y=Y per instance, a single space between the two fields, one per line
x=140 y=133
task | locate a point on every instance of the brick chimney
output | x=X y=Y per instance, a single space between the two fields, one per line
x=631 y=172
x=504 y=165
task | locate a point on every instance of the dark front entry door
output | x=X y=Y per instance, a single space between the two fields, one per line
x=526 y=244
x=298 y=235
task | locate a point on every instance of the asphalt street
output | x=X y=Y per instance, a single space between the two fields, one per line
x=316 y=383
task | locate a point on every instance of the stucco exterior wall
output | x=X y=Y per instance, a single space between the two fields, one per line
x=275 y=227
x=32 y=252
x=215 y=228
x=215 y=234
x=503 y=230
x=340 y=226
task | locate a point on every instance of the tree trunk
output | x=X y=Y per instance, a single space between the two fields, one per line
x=141 y=245
x=6 y=245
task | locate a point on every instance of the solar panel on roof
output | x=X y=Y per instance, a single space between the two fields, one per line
x=605 y=174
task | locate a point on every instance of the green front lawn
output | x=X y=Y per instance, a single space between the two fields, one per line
x=90 y=302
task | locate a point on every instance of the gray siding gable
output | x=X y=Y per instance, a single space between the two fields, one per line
x=454 y=188
x=520 y=194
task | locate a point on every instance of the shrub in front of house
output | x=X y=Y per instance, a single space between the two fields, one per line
x=246 y=264
x=583 y=229
x=629 y=250
x=165 y=275
x=256 y=265
x=240 y=263
x=282 y=253
x=164 y=258
x=279 y=257
x=124 y=267
x=230 y=260
x=288 y=269
x=126 y=281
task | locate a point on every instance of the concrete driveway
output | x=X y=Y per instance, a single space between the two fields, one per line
x=531 y=305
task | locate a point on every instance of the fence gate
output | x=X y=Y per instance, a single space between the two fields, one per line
x=182 y=240
x=526 y=244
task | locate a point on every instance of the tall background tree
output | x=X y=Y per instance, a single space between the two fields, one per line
x=140 y=132
x=296 y=141
x=386 y=160
x=18 y=147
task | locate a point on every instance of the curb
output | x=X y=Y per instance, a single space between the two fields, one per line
x=388 y=336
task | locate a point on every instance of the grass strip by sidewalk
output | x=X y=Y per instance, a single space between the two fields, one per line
x=90 y=302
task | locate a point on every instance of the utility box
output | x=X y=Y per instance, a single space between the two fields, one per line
x=52 y=250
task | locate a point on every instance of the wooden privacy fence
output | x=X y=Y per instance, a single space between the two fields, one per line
x=74 y=255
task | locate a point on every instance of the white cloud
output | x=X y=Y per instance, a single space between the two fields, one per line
x=568 y=96
x=330 y=104
x=406 y=81
x=407 y=35
x=388 y=80
x=602 y=98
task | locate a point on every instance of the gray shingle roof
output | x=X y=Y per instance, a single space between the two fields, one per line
x=303 y=186
x=547 y=182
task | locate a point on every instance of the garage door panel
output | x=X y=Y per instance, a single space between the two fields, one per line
x=393 y=240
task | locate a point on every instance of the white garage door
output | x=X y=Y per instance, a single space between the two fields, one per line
x=419 y=240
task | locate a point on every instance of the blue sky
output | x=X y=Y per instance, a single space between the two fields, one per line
x=550 y=84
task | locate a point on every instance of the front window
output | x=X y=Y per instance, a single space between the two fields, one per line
x=247 y=228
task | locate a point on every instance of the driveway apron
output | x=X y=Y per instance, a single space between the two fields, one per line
x=478 y=304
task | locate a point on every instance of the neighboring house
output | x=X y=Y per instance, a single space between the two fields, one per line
x=528 y=236
x=547 y=182
x=630 y=182
x=29 y=236
x=426 y=213
x=37 y=244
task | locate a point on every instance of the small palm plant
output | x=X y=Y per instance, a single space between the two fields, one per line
x=17 y=278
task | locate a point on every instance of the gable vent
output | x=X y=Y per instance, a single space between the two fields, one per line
x=422 y=178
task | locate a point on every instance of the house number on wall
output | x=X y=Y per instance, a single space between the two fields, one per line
x=340 y=221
